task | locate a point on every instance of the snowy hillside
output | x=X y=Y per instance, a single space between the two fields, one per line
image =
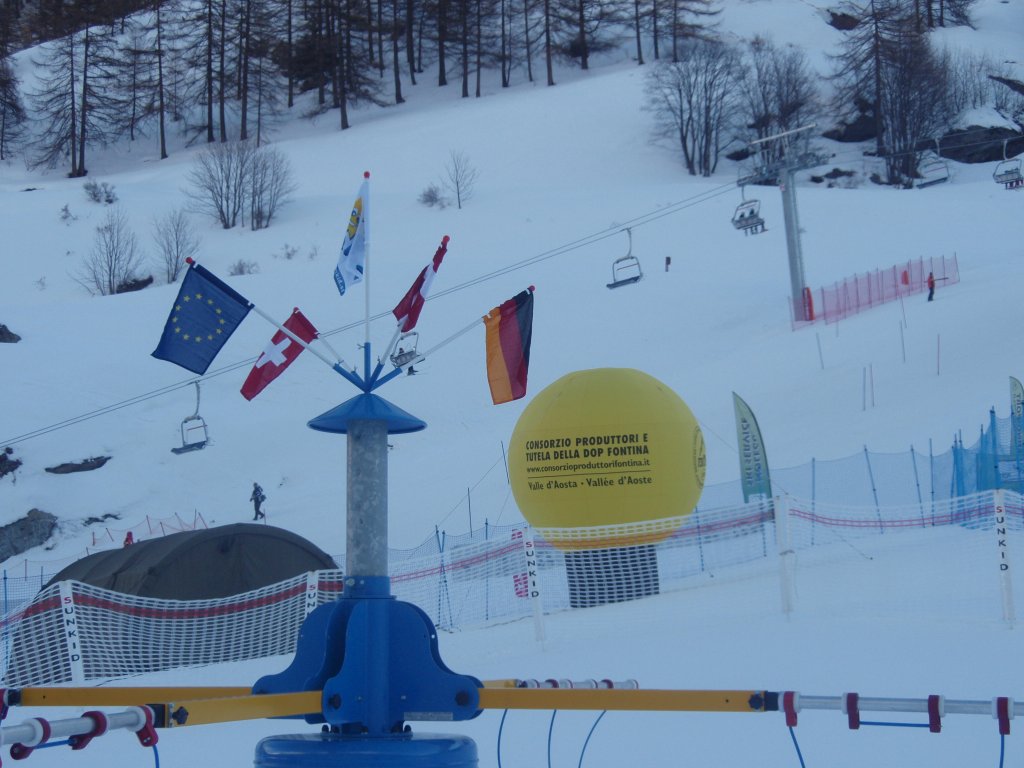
x=563 y=171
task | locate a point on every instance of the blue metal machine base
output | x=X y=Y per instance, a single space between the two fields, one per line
x=330 y=750
x=377 y=662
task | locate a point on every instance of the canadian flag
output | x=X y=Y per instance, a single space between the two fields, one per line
x=407 y=313
x=279 y=354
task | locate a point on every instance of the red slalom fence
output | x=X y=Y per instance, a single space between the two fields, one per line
x=857 y=293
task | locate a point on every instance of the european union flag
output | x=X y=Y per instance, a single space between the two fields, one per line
x=205 y=314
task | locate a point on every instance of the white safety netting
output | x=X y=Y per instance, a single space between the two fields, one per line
x=73 y=632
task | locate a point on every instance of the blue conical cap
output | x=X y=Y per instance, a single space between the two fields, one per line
x=367 y=407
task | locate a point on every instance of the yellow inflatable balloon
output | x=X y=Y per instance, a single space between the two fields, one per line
x=606 y=457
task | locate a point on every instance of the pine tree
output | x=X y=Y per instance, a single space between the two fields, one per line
x=13 y=119
x=681 y=20
x=143 y=81
x=863 y=53
x=584 y=25
x=55 y=105
x=191 y=36
x=887 y=65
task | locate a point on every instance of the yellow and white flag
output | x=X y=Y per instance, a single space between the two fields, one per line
x=352 y=260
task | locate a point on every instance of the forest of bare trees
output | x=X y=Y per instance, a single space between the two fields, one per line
x=888 y=78
x=217 y=71
x=224 y=70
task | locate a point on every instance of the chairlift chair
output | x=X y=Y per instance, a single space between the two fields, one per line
x=748 y=217
x=1008 y=173
x=932 y=172
x=626 y=269
x=194 y=434
x=405 y=352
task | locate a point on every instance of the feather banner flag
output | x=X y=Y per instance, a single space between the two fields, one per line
x=352 y=259
x=205 y=314
x=754 y=475
x=407 y=313
x=278 y=354
x=509 y=333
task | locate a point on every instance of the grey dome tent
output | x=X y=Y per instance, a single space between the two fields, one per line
x=200 y=565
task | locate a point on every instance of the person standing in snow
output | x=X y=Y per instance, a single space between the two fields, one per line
x=931 y=286
x=257 y=498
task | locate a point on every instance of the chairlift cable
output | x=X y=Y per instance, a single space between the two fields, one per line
x=561 y=250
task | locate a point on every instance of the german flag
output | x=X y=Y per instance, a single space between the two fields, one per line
x=509 y=332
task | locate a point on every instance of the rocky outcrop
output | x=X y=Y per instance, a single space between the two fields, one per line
x=7 y=336
x=860 y=128
x=134 y=284
x=32 y=530
x=841 y=20
x=79 y=466
x=979 y=144
x=7 y=461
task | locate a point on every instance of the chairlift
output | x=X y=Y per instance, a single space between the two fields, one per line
x=1008 y=171
x=932 y=171
x=194 y=434
x=626 y=269
x=405 y=352
x=748 y=217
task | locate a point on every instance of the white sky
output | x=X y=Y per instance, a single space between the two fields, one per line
x=555 y=165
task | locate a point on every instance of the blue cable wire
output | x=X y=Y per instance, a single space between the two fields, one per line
x=52 y=744
x=156 y=755
x=1002 y=748
x=799 y=754
x=551 y=728
x=501 y=725
x=896 y=725
x=587 y=740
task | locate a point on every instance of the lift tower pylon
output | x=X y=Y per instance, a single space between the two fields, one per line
x=778 y=158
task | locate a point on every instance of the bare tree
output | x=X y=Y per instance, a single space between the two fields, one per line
x=777 y=91
x=176 y=240
x=221 y=177
x=693 y=101
x=115 y=256
x=271 y=182
x=977 y=80
x=460 y=177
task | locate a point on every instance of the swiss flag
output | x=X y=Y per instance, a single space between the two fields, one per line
x=279 y=354
x=407 y=313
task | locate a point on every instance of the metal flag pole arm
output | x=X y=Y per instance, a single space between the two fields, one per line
x=79 y=731
x=423 y=356
x=323 y=340
x=338 y=366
